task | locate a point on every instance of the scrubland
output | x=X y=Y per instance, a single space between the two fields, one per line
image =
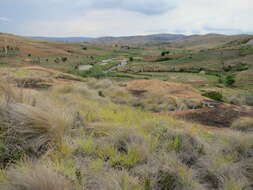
x=91 y=136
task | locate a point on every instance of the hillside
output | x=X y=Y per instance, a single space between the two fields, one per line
x=170 y=116
x=176 y=40
x=208 y=40
x=76 y=135
x=145 y=39
x=63 y=39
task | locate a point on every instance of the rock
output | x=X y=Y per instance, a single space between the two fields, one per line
x=250 y=42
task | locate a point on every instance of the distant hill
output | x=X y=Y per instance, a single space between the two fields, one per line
x=174 y=40
x=141 y=39
x=64 y=39
x=204 y=41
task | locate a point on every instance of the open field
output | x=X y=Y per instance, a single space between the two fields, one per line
x=174 y=116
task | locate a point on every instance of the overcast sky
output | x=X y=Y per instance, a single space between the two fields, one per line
x=95 y=18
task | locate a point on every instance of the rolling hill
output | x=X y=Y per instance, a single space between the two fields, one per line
x=63 y=39
x=144 y=39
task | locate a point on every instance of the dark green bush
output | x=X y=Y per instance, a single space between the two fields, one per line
x=3 y=63
x=229 y=80
x=64 y=59
x=163 y=59
x=213 y=95
x=165 y=53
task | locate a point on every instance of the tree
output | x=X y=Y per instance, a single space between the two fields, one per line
x=165 y=53
x=64 y=59
x=230 y=80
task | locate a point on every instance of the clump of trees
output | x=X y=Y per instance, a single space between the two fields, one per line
x=165 y=53
x=228 y=80
x=217 y=96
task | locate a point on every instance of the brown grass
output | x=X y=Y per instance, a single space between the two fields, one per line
x=35 y=177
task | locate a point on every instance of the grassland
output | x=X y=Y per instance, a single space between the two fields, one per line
x=69 y=137
x=142 y=126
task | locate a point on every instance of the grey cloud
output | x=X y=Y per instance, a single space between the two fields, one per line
x=147 y=7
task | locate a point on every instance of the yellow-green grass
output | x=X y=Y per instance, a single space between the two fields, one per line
x=120 y=147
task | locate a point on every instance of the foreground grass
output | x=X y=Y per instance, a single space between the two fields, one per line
x=74 y=137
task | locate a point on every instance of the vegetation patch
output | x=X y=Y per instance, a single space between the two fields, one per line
x=214 y=95
x=243 y=124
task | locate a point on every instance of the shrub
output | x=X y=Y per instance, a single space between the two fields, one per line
x=64 y=59
x=243 y=124
x=3 y=63
x=229 y=80
x=163 y=59
x=165 y=53
x=217 y=96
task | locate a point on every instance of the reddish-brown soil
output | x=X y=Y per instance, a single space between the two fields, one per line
x=169 y=88
x=219 y=116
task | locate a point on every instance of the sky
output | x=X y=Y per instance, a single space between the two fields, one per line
x=96 y=18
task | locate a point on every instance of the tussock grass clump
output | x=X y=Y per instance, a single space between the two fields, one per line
x=39 y=177
x=187 y=147
x=30 y=129
x=123 y=150
x=112 y=179
x=166 y=172
x=243 y=124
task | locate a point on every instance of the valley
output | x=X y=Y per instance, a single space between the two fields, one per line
x=162 y=112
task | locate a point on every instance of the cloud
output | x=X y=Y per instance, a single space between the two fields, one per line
x=4 y=19
x=147 y=7
x=127 y=17
x=95 y=23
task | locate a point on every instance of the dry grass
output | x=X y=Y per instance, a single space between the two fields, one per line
x=243 y=124
x=116 y=146
x=35 y=176
x=31 y=129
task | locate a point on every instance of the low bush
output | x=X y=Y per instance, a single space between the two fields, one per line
x=64 y=59
x=229 y=80
x=160 y=59
x=3 y=63
x=217 y=96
